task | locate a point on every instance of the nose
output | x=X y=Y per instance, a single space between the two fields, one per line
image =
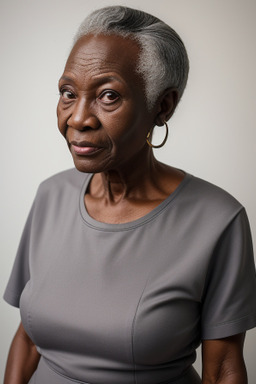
x=82 y=117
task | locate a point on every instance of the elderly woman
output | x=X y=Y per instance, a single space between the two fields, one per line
x=126 y=264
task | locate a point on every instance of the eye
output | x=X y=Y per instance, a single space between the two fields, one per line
x=109 y=97
x=66 y=94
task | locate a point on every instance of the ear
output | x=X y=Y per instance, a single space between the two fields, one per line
x=166 y=105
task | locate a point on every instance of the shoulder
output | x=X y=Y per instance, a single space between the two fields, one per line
x=65 y=180
x=56 y=196
x=207 y=200
x=60 y=189
x=210 y=192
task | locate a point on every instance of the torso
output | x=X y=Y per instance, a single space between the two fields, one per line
x=130 y=302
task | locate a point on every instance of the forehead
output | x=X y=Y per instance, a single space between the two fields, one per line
x=96 y=54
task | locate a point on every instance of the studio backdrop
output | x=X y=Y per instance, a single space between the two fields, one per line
x=212 y=134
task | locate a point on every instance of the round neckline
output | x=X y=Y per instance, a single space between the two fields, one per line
x=93 y=223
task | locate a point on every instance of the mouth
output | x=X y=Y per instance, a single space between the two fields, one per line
x=84 y=148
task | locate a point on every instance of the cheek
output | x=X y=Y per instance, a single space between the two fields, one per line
x=61 y=120
x=123 y=123
x=127 y=133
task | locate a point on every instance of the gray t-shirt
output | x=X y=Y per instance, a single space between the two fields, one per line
x=130 y=303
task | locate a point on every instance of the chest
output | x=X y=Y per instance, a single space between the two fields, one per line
x=124 y=295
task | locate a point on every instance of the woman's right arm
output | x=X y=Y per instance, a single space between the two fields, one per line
x=22 y=360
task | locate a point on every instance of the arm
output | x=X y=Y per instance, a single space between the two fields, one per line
x=223 y=361
x=22 y=360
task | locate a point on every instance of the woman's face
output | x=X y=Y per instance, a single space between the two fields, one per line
x=102 y=110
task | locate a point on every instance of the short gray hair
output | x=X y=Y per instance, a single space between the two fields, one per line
x=163 y=61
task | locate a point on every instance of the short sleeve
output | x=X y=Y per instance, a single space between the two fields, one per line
x=20 y=274
x=229 y=303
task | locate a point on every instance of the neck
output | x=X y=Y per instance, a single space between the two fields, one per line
x=129 y=181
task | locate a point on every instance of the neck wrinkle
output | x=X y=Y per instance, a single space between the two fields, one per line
x=120 y=185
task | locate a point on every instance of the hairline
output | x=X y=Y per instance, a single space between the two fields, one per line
x=162 y=60
x=141 y=54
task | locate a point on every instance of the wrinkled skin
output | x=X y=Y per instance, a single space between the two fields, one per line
x=102 y=102
x=104 y=117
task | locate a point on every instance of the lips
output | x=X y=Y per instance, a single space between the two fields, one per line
x=84 y=148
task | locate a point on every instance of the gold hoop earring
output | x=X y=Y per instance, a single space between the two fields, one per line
x=163 y=142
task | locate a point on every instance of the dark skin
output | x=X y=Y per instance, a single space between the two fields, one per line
x=104 y=117
x=223 y=361
x=22 y=360
x=99 y=104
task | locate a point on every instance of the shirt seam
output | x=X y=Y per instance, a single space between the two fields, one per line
x=133 y=331
x=238 y=320
x=61 y=374
x=172 y=201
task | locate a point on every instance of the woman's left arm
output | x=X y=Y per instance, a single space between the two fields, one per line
x=223 y=361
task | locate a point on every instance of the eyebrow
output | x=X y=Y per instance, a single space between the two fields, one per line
x=104 y=79
x=99 y=79
x=66 y=78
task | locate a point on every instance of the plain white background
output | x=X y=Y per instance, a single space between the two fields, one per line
x=212 y=134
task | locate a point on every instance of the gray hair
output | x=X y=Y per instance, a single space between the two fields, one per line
x=163 y=60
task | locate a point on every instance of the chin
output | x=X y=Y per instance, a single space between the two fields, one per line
x=86 y=166
x=83 y=168
x=97 y=163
